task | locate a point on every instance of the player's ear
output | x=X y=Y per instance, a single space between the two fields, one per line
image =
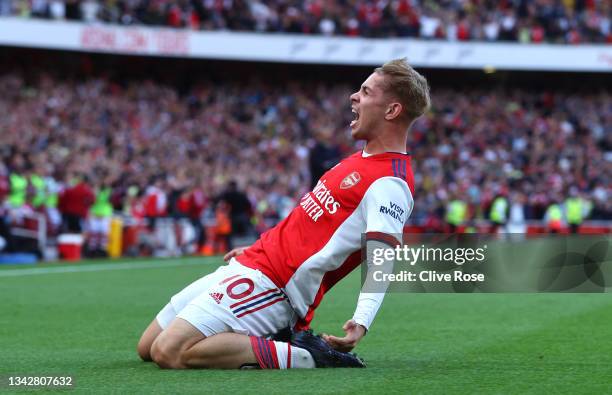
x=393 y=111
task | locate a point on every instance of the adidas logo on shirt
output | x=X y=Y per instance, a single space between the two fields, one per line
x=216 y=296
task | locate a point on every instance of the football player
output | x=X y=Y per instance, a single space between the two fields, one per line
x=233 y=317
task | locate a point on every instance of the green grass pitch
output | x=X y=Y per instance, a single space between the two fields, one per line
x=85 y=321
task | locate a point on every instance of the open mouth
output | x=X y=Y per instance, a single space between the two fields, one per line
x=356 y=115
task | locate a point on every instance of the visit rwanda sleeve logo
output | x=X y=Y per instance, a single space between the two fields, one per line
x=394 y=210
x=350 y=181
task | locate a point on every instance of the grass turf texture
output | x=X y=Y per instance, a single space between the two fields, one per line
x=87 y=324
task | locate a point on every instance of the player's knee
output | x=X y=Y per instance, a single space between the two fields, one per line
x=146 y=340
x=166 y=356
x=144 y=350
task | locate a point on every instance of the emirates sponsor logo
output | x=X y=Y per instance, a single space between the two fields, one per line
x=350 y=181
x=319 y=201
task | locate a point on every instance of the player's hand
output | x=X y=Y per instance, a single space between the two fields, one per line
x=353 y=334
x=233 y=253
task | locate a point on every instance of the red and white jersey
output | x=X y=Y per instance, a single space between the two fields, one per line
x=320 y=241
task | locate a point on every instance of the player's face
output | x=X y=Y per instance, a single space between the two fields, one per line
x=368 y=106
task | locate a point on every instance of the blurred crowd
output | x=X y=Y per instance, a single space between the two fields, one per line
x=73 y=149
x=532 y=149
x=160 y=154
x=555 y=21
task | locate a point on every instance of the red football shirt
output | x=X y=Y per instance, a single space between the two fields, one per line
x=320 y=241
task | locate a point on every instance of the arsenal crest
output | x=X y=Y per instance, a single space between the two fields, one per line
x=350 y=181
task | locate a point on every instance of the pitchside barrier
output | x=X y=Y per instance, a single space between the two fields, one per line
x=171 y=237
x=529 y=227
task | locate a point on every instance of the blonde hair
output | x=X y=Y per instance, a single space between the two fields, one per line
x=406 y=85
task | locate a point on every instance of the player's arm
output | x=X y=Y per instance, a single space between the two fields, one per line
x=368 y=303
x=386 y=207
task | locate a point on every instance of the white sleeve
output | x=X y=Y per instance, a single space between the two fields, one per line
x=387 y=206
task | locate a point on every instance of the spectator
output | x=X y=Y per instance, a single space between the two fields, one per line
x=74 y=204
x=240 y=210
x=323 y=156
x=524 y=21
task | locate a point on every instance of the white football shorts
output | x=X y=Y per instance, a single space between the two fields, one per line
x=234 y=298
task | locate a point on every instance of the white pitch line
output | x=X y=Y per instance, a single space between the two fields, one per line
x=99 y=267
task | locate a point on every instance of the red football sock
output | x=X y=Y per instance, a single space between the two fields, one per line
x=265 y=352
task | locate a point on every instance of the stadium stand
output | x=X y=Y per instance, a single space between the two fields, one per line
x=535 y=21
x=160 y=142
x=167 y=151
